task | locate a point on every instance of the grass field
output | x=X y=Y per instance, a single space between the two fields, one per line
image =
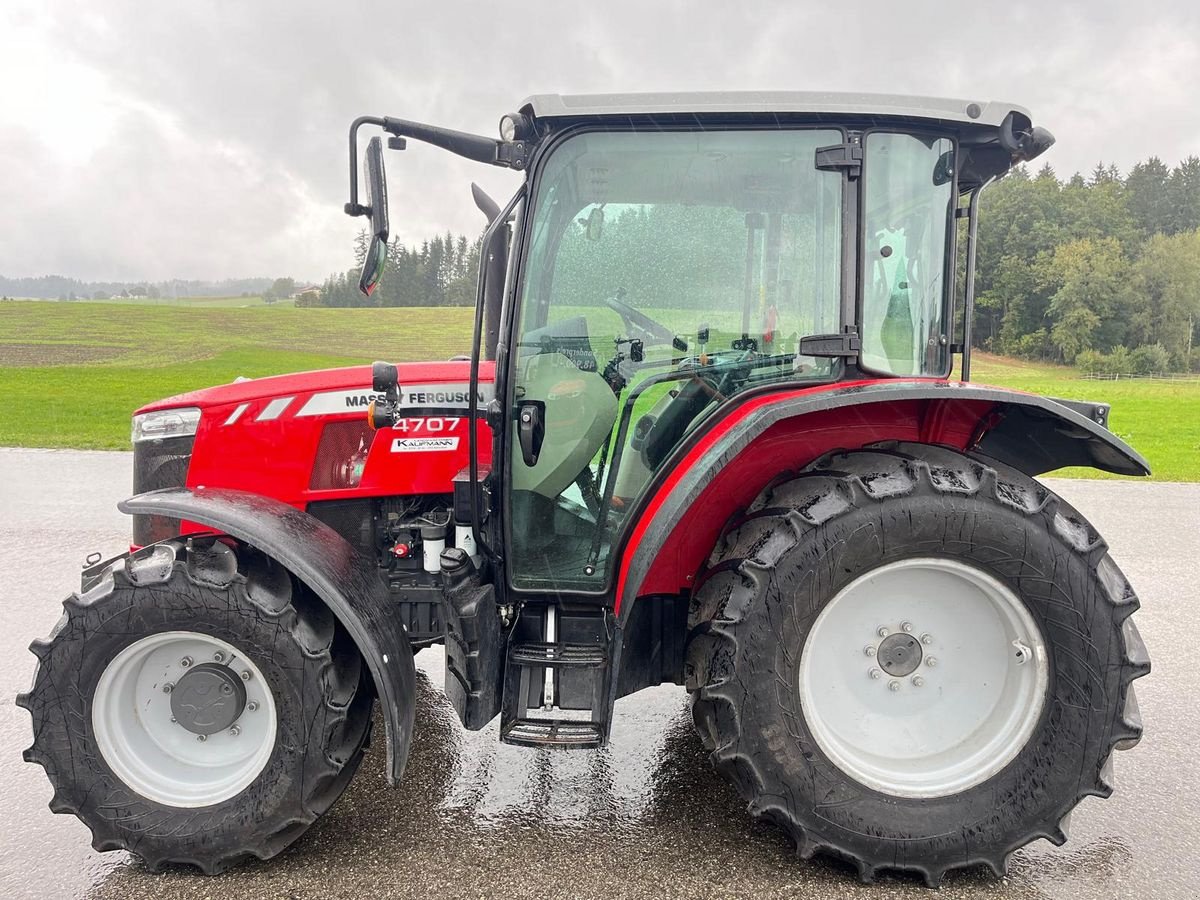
x=1160 y=419
x=70 y=374
x=191 y=302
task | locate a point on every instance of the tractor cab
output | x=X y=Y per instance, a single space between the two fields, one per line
x=670 y=256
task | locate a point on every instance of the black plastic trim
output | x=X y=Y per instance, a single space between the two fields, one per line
x=1033 y=434
x=346 y=580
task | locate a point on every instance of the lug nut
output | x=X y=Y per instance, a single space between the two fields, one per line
x=219 y=656
x=235 y=730
x=906 y=626
x=882 y=631
x=246 y=675
x=186 y=661
x=173 y=720
x=893 y=686
x=927 y=639
x=869 y=650
x=252 y=706
x=875 y=673
x=918 y=681
x=931 y=660
x=202 y=738
x=168 y=687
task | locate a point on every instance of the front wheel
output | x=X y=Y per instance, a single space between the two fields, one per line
x=913 y=659
x=197 y=705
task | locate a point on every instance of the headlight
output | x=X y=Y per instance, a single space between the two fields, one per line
x=514 y=127
x=165 y=423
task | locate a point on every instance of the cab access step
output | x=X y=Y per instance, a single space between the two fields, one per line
x=549 y=677
x=556 y=680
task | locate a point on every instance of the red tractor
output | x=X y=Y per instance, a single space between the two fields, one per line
x=706 y=436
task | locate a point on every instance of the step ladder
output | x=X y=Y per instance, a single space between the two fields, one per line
x=556 y=680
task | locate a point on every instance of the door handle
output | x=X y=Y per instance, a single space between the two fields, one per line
x=531 y=429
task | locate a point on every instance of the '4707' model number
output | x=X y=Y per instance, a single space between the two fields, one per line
x=432 y=425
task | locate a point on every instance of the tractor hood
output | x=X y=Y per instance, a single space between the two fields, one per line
x=305 y=438
x=350 y=378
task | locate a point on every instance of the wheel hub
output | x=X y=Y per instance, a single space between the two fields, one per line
x=899 y=654
x=944 y=691
x=182 y=733
x=208 y=699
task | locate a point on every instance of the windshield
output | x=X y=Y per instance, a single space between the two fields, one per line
x=665 y=273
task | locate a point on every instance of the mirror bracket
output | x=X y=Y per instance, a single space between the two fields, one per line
x=511 y=154
x=843 y=345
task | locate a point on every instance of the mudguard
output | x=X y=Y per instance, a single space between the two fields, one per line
x=343 y=578
x=1031 y=433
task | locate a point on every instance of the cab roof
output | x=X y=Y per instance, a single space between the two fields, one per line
x=988 y=114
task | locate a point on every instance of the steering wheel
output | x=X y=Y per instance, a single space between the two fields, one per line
x=649 y=331
x=699 y=391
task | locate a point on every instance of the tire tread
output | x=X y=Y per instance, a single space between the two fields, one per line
x=346 y=693
x=829 y=487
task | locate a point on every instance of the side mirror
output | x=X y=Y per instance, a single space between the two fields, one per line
x=1023 y=143
x=593 y=225
x=375 y=184
x=943 y=169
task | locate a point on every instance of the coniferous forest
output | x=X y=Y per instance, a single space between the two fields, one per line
x=1100 y=271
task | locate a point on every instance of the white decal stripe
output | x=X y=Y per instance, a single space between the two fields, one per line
x=274 y=409
x=237 y=413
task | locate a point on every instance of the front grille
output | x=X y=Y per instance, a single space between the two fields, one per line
x=156 y=465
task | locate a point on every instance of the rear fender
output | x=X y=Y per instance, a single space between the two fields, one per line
x=720 y=471
x=340 y=575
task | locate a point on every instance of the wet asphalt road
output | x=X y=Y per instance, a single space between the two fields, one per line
x=646 y=817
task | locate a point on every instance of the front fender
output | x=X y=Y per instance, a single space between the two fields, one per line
x=715 y=474
x=340 y=575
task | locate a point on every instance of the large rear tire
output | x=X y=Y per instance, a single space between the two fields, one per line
x=197 y=705
x=912 y=659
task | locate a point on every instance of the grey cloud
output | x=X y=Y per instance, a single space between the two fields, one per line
x=249 y=174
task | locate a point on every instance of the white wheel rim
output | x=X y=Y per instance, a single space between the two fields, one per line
x=955 y=720
x=160 y=759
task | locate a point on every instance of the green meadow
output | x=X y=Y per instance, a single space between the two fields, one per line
x=71 y=373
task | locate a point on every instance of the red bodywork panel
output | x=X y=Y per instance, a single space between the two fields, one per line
x=262 y=435
x=787 y=445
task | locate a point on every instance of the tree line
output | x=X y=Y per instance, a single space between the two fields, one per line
x=1102 y=272
x=440 y=272
x=61 y=287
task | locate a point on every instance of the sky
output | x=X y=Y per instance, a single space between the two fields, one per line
x=152 y=140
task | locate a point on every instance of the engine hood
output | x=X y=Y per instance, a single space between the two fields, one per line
x=349 y=378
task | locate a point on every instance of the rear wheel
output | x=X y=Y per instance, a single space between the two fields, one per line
x=912 y=659
x=197 y=707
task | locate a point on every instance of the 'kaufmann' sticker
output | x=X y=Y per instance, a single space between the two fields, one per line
x=424 y=444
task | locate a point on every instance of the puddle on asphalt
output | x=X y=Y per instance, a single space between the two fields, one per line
x=646 y=816
x=478 y=817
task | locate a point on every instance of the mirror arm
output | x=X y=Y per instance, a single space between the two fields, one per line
x=354 y=208
x=509 y=154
